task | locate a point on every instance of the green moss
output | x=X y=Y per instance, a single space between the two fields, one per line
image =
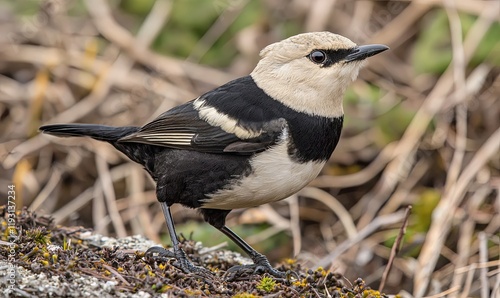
x=267 y=284
x=39 y=235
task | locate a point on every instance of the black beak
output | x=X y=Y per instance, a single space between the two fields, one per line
x=363 y=52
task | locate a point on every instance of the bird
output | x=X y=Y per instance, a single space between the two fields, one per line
x=257 y=139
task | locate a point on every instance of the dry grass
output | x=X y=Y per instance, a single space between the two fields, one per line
x=58 y=67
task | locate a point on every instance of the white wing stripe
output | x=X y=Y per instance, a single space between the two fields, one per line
x=176 y=135
x=226 y=123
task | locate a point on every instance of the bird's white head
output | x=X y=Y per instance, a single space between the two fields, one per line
x=310 y=72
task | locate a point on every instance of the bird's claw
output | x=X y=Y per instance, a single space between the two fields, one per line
x=187 y=267
x=160 y=252
x=290 y=273
x=240 y=271
x=182 y=261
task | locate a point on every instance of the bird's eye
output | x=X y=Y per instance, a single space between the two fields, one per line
x=317 y=56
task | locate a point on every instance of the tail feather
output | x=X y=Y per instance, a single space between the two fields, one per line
x=142 y=154
x=95 y=131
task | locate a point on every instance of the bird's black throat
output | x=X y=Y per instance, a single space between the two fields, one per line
x=313 y=137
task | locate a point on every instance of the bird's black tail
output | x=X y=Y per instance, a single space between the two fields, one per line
x=141 y=153
x=99 y=132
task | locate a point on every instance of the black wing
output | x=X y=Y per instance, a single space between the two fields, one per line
x=200 y=126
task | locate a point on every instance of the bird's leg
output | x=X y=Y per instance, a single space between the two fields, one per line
x=261 y=263
x=183 y=262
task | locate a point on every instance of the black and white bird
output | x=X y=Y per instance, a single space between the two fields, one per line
x=254 y=140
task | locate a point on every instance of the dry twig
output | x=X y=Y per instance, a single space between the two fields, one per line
x=395 y=248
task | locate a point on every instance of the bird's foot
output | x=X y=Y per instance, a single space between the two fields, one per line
x=242 y=271
x=159 y=252
x=261 y=265
x=182 y=262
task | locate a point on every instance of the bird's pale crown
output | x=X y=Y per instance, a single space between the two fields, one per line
x=300 y=45
x=287 y=74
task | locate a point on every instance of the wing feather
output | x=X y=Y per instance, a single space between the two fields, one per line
x=184 y=128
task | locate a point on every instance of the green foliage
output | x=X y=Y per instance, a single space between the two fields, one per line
x=189 y=22
x=366 y=94
x=22 y=8
x=389 y=124
x=137 y=7
x=420 y=219
x=392 y=125
x=361 y=97
x=423 y=208
x=223 y=51
x=433 y=51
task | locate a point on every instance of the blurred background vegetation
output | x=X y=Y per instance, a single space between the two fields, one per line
x=422 y=127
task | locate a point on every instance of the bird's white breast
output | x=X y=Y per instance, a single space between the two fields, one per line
x=274 y=177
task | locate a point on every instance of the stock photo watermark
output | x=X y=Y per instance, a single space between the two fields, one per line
x=11 y=235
